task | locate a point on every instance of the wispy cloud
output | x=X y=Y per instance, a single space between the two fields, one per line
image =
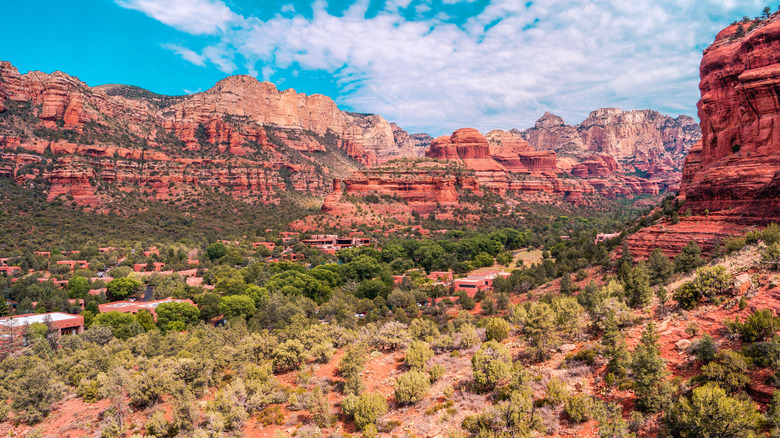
x=192 y=16
x=502 y=68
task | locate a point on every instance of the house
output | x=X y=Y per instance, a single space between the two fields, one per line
x=64 y=322
x=4 y=261
x=136 y=306
x=193 y=262
x=440 y=275
x=269 y=245
x=604 y=237
x=81 y=264
x=330 y=243
x=293 y=256
x=10 y=270
x=470 y=285
x=398 y=279
x=152 y=250
x=287 y=236
x=46 y=254
x=106 y=249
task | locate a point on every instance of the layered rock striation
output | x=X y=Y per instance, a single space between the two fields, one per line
x=241 y=136
x=621 y=153
x=735 y=171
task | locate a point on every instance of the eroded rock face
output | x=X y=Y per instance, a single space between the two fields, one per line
x=648 y=148
x=241 y=136
x=736 y=172
x=503 y=162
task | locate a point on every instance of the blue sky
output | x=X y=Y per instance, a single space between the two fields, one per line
x=429 y=65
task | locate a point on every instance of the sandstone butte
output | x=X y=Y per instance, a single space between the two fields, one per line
x=241 y=135
x=731 y=178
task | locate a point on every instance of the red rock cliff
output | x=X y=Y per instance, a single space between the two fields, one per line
x=736 y=172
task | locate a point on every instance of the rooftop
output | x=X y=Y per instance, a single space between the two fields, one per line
x=12 y=321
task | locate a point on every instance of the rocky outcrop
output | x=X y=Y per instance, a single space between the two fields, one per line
x=628 y=152
x=421 y=143
x=268 y=140
x=505 y=163
x=736 y=172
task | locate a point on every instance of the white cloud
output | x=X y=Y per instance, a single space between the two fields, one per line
x=503 y=68
x=192 y=16
x=187 y=54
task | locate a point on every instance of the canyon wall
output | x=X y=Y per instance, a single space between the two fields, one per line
x=736 y=170
x=242 y=136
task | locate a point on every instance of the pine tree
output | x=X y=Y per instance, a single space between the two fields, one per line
x=649 y=372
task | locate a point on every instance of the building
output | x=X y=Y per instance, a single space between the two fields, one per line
x=287 y=236
x=64 y=322
x=269 y=245
x=604 y=237
x=81 y=264
x=440 y=275
x=136 y=306
x=330 y=243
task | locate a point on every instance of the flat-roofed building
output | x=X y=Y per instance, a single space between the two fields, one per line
x=64 y=322
x=136 y=306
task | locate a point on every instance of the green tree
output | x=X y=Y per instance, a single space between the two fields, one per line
x=235 y=306
x=412 y=387
x=176 y=316
x=418 y=354
x=35 y=392
x=659 y=267
x=540 y=329
x=759 y=325
x=369 y=407
x=728 y=370
x=120 y=289
x=289 y=355
x=649 y=372
x=637 y=287
x=491 y=364
x=689 y=259
x=216 y=251
x=710 y=413
x=567 y=286
x=123 y=325
x=497 y=329
x=78 y=287
x=145 y=319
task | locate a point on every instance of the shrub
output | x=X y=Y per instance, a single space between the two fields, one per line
x=368 y=408
x=728 y=370
x=709 y=412
x=353 y=360
x=491 y=364
x=497 y=329
x=417 y=355
x=468 y=336
x=705 y=348
x=579 y=407
x=412 y=387
x=760 y=325
x=423 y=329
x=557 y=392
x=689 y=259
x=436 y=372
x=288 y=355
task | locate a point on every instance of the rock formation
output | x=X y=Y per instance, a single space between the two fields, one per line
x=736 y=170
x=241 y=136
x=648 y=148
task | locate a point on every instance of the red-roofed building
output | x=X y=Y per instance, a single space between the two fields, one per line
x=440 y=275
x=81 y=264
x=287 y=236
x=136 y=306
x=269 y=245
x=64 y=322
x=46 y=254
x=9 y=270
